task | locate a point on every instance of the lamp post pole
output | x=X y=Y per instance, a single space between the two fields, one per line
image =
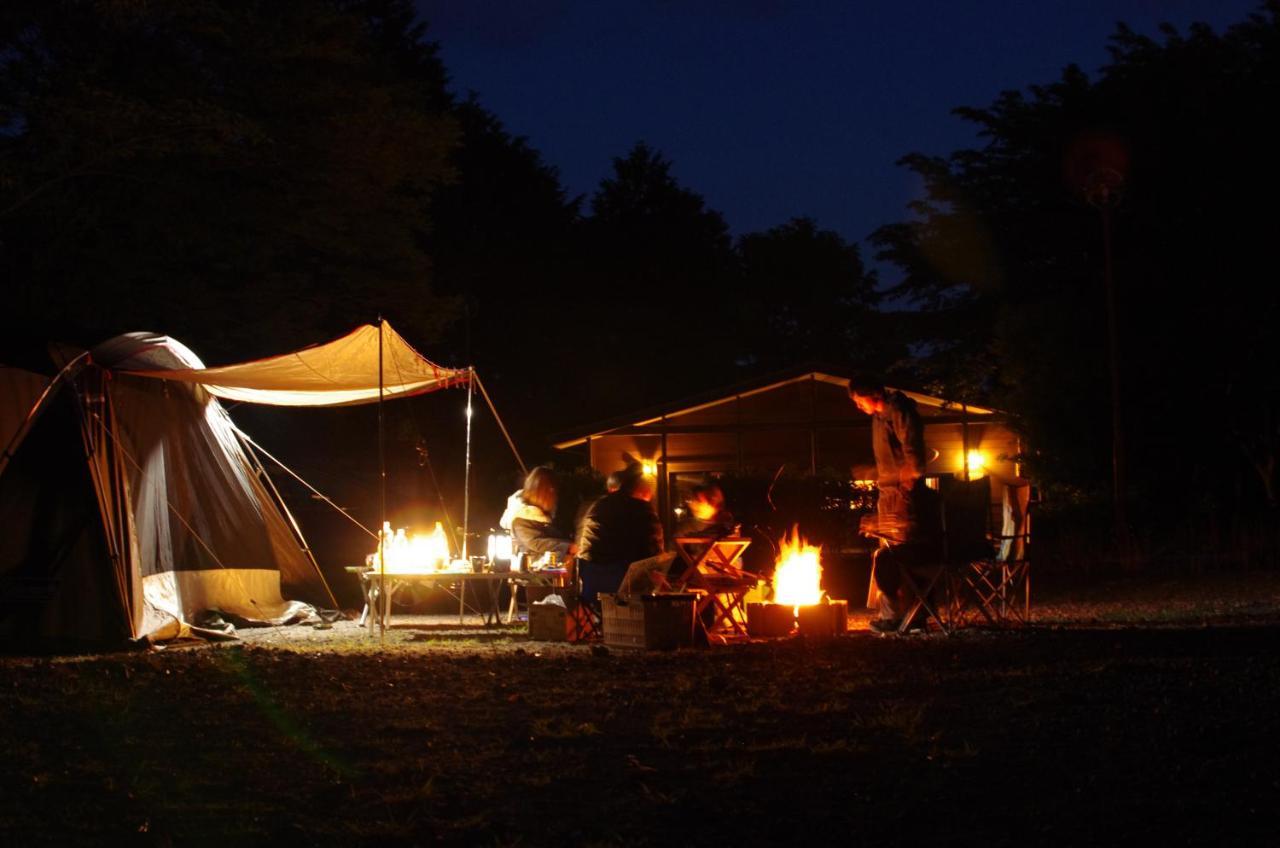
x=1103 y=191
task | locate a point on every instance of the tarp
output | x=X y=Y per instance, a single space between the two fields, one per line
x=343 y=372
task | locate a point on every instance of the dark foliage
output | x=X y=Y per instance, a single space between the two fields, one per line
x=247 y=177
x=1007 y=252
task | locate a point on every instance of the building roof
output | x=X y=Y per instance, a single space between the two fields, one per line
x=729 y=394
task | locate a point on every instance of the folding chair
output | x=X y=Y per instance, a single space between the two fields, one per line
x=993 y=584
x=712 y=572
x=932 y=588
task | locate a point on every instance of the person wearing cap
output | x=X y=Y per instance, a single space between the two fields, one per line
x=904 y=520
x=619 y=529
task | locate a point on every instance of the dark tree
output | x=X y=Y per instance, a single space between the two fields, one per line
x=806 y=296
x=1006 y=253
x=641 y=320
x=246 y=176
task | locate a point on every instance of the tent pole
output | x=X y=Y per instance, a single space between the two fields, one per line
x=384 y=600
x=466 y=477
x=38 y=407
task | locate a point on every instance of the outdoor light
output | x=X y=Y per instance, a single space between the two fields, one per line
x=977 y=463
x=499 y=547
x=650 y=469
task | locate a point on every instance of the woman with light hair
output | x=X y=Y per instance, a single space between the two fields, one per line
x=529 y=517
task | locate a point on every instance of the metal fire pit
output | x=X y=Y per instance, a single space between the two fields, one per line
x=823 y=621
x=770 y=621
x=815 y=621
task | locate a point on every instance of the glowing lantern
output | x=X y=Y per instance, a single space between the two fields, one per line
x=419 y=554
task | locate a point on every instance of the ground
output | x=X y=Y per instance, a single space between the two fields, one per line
x=1136 y=710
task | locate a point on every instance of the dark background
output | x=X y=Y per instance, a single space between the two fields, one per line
x=639 y=204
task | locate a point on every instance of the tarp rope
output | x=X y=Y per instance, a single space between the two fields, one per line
x=496 y=417
x=321 y=495
x=284 y=507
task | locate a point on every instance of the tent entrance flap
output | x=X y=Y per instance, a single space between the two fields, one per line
x=351 y=370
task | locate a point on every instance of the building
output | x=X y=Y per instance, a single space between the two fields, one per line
x=803 y=420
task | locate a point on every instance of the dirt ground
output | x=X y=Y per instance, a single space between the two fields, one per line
x=1131 y=712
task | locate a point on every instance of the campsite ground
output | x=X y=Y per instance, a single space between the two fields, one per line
x=1133 y=710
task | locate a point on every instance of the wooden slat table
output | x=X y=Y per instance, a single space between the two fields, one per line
x=713 y=567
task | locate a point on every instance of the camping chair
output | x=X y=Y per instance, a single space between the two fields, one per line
x=584 y=618
x=712 y=572
x=992 y=585
x=930 y=588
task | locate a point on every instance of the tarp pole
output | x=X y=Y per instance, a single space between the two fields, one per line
x=466 y=477
x=496 y=417
x=383 y=599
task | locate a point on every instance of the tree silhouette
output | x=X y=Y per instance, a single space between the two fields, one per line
x=245 y=176
x=1006 y=252
x=806 y=296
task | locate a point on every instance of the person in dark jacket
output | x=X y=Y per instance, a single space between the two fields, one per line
x=529 y=517
x=907 y=511
x=619 y=529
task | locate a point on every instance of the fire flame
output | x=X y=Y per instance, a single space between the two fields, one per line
x=421 y=554
x=797 y=581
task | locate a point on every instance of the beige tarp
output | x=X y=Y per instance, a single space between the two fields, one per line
x=343 y=372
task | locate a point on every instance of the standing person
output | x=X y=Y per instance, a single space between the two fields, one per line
x=529 y=516
x=619 y=529
x=905 y=520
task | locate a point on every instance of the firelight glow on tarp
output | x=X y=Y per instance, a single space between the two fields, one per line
x=343 y=372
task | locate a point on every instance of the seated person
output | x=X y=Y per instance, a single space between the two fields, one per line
x=528 y=517
x=706 y=518
x=706 y=515
x=619 y=529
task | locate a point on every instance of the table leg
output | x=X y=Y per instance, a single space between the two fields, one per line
x=514 y=606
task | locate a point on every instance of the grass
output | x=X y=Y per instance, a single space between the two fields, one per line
x=1119 y=713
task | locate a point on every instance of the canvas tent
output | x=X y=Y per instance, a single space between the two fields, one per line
x=128 y=499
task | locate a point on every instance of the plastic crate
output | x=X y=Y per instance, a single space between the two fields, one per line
x=656 y=622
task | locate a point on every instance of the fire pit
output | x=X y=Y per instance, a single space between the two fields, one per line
x=799 y=605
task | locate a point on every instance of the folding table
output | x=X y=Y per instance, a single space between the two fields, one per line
x=712 y=569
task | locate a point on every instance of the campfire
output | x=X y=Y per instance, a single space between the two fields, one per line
x=799 y=601
x=797 y=580
x=421 y=553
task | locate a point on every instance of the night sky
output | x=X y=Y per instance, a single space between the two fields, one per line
x=771 y=109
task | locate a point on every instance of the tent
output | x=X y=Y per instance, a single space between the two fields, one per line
x=130 y=502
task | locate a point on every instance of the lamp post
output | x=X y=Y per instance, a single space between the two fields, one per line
x=1103 y=190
